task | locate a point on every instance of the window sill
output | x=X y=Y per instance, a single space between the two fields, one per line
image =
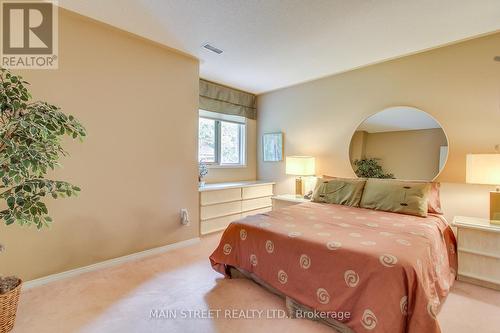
x=236 y=166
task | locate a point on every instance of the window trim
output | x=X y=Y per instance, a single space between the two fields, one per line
x=218 y=118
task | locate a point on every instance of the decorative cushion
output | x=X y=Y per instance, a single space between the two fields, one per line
x=434 y=200
x=340 y=191
x=396 y=196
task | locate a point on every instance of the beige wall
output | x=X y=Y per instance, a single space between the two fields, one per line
x=358 y=145
x=458 y=85
x=138 y=167
x=248 y=172
x=406 y=154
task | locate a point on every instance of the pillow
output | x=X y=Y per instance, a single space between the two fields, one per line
x=340 y=191
x=396 y=196
x=434 y=202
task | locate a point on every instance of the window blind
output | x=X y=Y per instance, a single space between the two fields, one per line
x=218 y=98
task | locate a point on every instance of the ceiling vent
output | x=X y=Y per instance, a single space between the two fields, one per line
x=497 y=58
x=212 y=48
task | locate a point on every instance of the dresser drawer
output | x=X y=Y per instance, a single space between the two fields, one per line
x=257 y=191
x=479 y=266
x=256 y=211
x=218 y=224
x=212 y=211
x=220 y=196
x=253 y=204
x=486 y=242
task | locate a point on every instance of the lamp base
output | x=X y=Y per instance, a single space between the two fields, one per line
x=495 y=207
x=298 y=187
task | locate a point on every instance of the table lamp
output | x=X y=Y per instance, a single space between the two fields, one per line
x=485 y=169
x=300 y=166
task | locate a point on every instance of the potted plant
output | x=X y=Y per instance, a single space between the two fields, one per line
x=31 y=135
x=10 y=288
x=202 y=172
x=370 y=168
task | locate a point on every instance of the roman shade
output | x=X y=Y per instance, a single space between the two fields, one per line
x=217 y=98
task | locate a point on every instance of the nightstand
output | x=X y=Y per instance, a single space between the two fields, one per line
x=285 y=200
x=478 y=251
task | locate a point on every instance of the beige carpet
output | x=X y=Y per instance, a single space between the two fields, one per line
x=121 y=298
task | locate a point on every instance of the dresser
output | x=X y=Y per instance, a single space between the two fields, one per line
x=478 y=251
x=223 y=203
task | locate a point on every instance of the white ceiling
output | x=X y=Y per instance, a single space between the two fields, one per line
x=270 y=44
x=398 y=118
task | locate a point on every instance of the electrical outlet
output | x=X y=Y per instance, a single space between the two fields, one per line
x=184 y=216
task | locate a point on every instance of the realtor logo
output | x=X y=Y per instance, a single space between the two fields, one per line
x=29 y=35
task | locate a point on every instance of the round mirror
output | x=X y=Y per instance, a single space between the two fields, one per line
x=399 y=142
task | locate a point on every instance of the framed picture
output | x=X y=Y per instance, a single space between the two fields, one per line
x=272 y=147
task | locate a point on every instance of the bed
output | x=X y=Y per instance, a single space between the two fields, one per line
x=389 y=272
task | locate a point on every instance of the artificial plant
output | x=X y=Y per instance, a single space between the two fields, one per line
x=31 y=134
x=370 y=168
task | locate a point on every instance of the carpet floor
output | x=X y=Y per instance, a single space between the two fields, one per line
x=172 y=292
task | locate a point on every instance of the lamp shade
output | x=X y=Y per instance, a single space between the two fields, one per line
x=300 y=165
x=483 y=169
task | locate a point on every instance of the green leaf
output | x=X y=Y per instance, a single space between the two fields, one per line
x=43 y=207
x=11 y=201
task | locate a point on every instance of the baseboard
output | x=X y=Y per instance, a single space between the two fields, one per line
x=108 y=263
x=479 y=281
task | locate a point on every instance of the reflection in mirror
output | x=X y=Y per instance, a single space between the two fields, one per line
x=399 y=142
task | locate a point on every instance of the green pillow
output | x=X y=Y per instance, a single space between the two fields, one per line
x=396 y=196
x=340 y=191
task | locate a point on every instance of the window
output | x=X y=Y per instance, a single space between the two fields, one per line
x=221 y=139
x=207 y=147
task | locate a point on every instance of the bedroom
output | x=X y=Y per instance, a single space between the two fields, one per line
x=295 y=78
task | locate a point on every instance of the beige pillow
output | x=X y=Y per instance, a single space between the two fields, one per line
x=340 y=191
x=396 y=196
x=434 y=200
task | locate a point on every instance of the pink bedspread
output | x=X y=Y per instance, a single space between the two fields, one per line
x=390 y=271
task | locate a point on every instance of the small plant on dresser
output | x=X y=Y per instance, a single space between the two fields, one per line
x=202 y=172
